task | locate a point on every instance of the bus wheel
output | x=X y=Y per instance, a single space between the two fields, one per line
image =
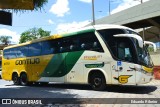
x=44 y=83
x=24 y=79
x=98 y=82
x=15 y=79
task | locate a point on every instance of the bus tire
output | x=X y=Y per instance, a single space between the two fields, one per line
x=97 y=81
x=44 y=83
x=24 y=79
x=15 y=79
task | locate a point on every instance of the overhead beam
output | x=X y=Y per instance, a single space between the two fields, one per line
x=154 y=23
x=155 y=34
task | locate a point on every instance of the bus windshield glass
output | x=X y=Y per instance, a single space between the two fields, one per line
x=125 y=48
x=144 y=56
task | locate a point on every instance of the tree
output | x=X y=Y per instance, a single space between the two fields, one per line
x=34 y=33
x=5 y=39
x=38 y=4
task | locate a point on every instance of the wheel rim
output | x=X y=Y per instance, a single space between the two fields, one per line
x=23 y=79
x=15 y=79
x=97 y=82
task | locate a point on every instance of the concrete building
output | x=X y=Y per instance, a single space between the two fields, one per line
x=145 y=15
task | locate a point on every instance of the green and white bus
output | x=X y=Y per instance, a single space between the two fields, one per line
x=96 y=55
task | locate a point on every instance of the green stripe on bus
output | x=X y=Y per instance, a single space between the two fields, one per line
x=61 y=64
x=79 y=32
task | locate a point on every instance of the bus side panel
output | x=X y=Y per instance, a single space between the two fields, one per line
x=60 y=65
x=55 y=67
x=96 y=61
x=32 y=66
x=6 y=71
x=35 y=70
x=75 y=67
x=12 y=65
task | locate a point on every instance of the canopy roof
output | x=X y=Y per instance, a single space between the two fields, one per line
x=17 y=4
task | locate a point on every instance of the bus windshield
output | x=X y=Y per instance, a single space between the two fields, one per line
x=144 y=56
x=125 y=48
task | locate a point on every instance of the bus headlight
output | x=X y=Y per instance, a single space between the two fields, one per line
x=147 y=73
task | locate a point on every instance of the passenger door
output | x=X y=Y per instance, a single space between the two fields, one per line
x=125 y=64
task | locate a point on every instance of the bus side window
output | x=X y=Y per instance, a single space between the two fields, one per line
x=59 y=46
x=85 y=43
x=49 y=47
x=72 y=47
x=34 y=49
x=6 y=53
x=12 y=53
x=22 y=51
x=66 y=44
x=83 y=46
x=90 y=42
x=19 y=53
x=74 y=44
x=61 y=49
x=124 y=50
x=97 y=46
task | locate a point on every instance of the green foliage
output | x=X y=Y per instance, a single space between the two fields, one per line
x=34 y=33
x=5 y=39
x=38 y=4
x=150 y=49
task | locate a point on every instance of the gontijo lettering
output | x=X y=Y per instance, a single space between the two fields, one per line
x=27 y=61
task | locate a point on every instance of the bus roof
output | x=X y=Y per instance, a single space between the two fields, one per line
x=73 y=32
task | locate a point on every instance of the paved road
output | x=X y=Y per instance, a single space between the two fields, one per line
x=151 y=90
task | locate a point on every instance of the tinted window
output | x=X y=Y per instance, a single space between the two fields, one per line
x=63 y=45
x=6 y=53
x=22 y=51
x=89 y=41
x=74 y=44
x=13 y=53
x=85 y=41
x=10 y=53
x=69 y=44
x=34 y=49
x=125 y=49
x=121 y=48
x=49 y=47
x=110 y=40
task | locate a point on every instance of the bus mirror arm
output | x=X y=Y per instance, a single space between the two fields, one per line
x=147 y=43
x=140 y=40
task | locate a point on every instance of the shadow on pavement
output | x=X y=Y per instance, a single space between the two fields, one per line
x=111 y=88
x=131 y=89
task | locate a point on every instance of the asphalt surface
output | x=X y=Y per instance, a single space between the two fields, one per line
x=82 y=93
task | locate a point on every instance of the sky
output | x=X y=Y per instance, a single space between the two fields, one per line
x=62 y=15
